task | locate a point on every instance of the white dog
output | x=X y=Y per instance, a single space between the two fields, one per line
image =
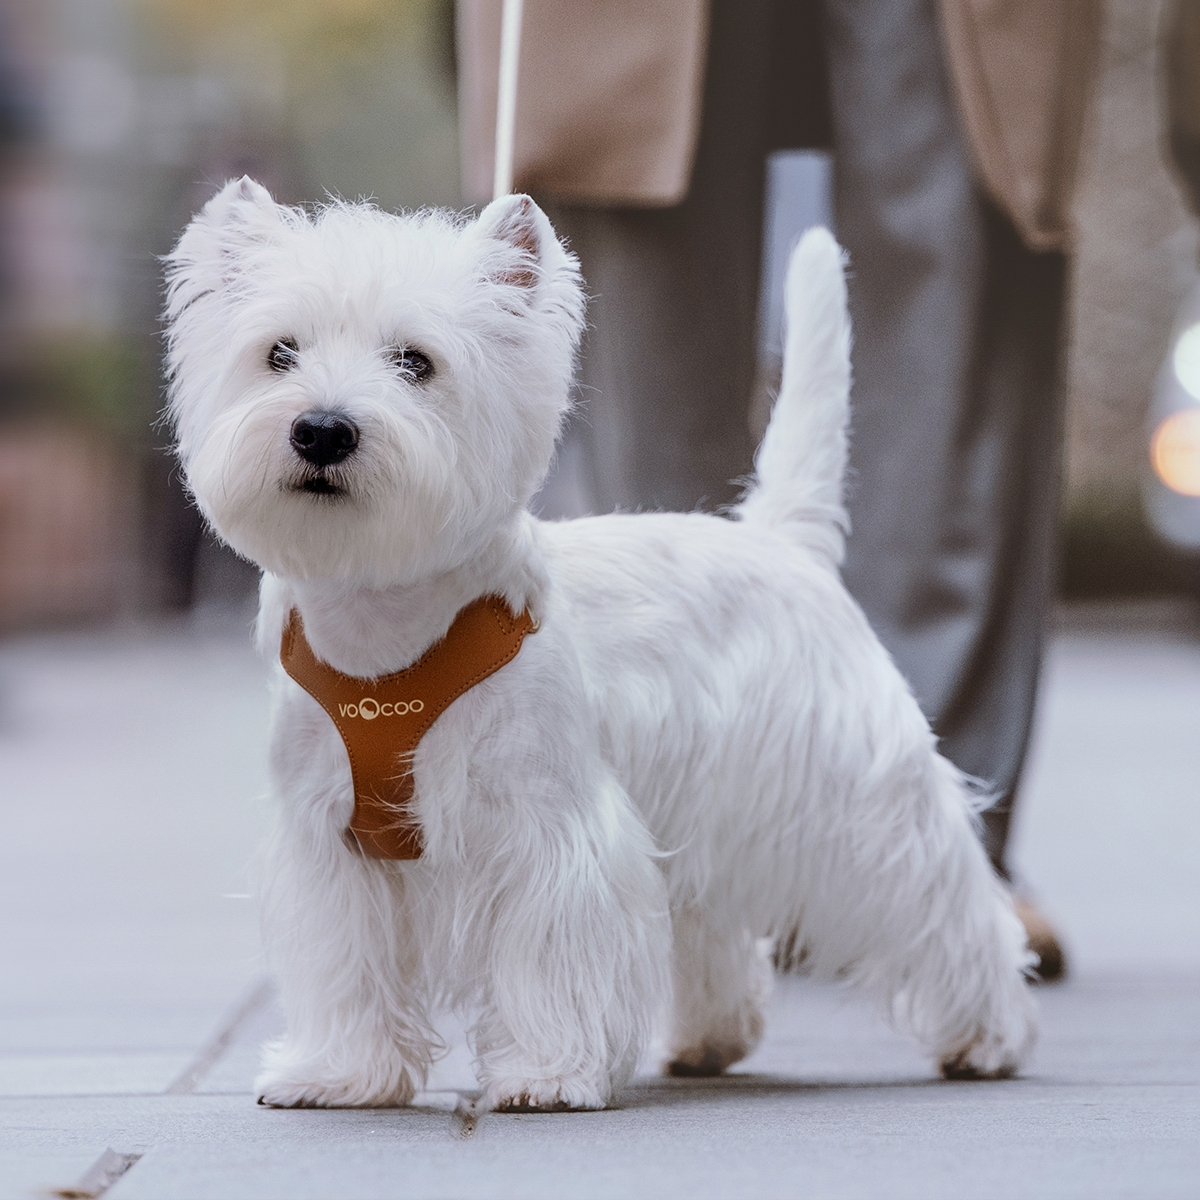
x=704 y=746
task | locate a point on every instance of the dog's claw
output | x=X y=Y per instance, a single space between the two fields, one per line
x=959 y=1070
x=552 y=1096
x=524 y=1103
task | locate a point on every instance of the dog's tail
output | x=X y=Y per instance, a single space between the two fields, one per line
x=800 y=465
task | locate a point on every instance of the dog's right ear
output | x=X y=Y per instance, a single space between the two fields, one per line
x=517 y=234
x=239 y=217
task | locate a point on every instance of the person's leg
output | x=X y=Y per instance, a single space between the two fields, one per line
x=1016 y=439
x=669 y=356
x=955 y=444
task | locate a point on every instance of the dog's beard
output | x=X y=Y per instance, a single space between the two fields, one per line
x=378 y=519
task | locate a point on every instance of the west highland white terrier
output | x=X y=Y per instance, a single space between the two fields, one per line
x=703 y=745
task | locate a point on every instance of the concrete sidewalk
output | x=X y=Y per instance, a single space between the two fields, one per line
x=133 y=999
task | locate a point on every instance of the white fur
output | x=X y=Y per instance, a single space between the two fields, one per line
x=705 y=733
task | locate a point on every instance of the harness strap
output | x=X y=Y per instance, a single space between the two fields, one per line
x=382 y=720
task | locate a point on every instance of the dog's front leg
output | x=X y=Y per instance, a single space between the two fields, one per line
x=338 y=937
x=577 y=955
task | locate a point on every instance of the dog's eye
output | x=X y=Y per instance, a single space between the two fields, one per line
x=284 y=355
x=411 y=362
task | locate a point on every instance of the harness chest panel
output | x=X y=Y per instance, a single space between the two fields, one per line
x=382 y=720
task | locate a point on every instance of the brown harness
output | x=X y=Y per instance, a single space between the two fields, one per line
x=382 y=720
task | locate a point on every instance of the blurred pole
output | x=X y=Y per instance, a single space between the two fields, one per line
x=506 y=106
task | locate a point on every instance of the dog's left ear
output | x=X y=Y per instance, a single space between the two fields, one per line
x=523 y=233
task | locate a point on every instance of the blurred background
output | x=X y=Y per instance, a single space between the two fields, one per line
x=119 y=117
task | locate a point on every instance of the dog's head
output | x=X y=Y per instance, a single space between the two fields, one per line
x=361 y=396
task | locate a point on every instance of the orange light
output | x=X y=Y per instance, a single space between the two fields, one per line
x=1175 y=452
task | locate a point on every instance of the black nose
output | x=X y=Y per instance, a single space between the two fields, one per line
x=323 y=438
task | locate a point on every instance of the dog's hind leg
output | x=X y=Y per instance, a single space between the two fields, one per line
x=902 y=900
x=967 y=996
x=722 y=981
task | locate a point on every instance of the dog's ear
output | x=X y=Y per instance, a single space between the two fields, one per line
x=242 y=208
x=240 y=216
x=515 y=233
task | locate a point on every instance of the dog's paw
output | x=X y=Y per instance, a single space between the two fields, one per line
x=285 y=1088
x=995 y=1052
x=544 y=1096
x=983 y=1059
x=705 y=1060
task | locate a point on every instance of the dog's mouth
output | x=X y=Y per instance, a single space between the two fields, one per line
x=318 y=483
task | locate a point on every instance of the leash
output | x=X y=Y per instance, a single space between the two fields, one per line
x=506 y=98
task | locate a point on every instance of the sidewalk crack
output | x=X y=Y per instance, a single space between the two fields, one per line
x=99 y=1177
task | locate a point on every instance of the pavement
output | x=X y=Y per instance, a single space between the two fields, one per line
x=133 y=996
